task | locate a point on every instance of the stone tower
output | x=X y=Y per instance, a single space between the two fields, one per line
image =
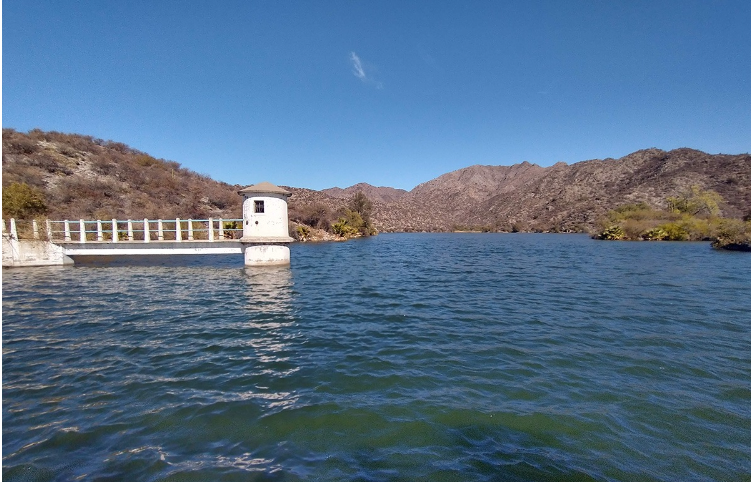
x=265 y=225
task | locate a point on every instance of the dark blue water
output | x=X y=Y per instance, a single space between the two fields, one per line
x=398 y=357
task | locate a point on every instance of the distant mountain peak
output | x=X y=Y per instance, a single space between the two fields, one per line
x=379 y=194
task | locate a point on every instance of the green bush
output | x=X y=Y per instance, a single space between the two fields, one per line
x=674 y=232
x=613 y=233
x=731 y=229
x=655 y=234
x=303 y=232
x=733 y=234
x=23 y=201
x=698 y=228
x=343 y=229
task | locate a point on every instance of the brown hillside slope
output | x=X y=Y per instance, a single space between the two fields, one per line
x=302 y=200
x=565 y=197
x=450 y=199
x=84 y=177
x=379 y=194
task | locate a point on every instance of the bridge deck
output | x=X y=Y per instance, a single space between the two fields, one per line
x=108 y=248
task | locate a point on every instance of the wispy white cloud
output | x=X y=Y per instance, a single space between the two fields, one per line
x=357 y=66
x=359 y=70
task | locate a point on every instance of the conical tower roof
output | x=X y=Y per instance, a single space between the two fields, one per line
x=264 y=187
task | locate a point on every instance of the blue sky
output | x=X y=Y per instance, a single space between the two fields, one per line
x=394 y=93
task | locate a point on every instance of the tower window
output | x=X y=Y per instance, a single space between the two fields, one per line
x=258 y=205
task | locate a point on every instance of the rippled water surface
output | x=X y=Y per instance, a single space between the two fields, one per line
x=399 y=357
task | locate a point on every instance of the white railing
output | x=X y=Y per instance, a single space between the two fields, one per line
x=116 y=231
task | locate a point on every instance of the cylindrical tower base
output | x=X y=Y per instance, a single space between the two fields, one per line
x=266 y=255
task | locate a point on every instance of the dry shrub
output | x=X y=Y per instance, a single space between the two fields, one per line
x=635 y=228
x=128 y=183
x=33 y=176
x=21 y=146
x=49 y=163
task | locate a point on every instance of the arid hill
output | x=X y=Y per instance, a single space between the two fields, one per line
x=375 y=194
x=83 y=177
x=527 y=197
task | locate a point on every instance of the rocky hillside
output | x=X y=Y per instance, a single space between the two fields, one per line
x=527 y=197
x=83 y=177
x=80 y=176
x=375 y=194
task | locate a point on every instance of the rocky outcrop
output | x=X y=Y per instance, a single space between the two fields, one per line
x=562 y=197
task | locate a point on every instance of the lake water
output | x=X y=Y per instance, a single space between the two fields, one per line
x=399 y=357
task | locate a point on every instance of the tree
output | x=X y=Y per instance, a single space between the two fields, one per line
x=696 y=201
x=23 y=201
x=358 y=214
x=360 y=204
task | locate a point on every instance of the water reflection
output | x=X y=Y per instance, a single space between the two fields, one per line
x=269 y=289
x=272 y=336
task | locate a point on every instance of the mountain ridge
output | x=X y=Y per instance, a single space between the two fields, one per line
x=374 y=193
x=570 y=197
x=84 y=177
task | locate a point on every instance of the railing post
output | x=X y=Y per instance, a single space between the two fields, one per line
x=221 y=229
x=130 y=230
x=211 y=229
x=48 y=224
x=67 y=230
x=35 y=228
x=160 y=230
x=190 y=230
x=82 y=231
x=13 y=230
x=146 y=233
x=115 y=232
x=99 y=234
x=178 y=230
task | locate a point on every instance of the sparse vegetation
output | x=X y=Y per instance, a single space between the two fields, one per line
x=303 y=232
x=613 y=233
x=344 y=229
x=733 y=235
x=316 y=215
x=83 y=177
x=691 y=216
x=355 y=219
x=567 y=198
x=695 y=202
